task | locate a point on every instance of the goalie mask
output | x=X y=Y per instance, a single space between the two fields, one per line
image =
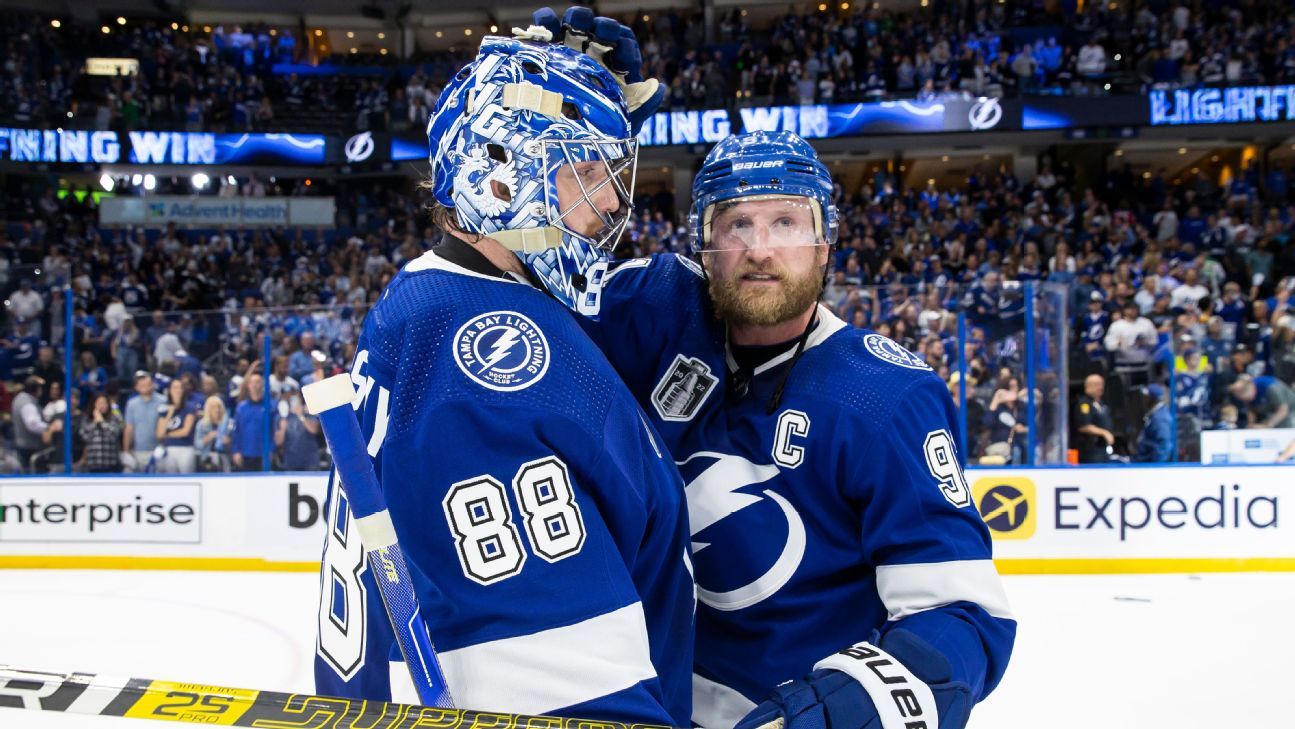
x=530 y=145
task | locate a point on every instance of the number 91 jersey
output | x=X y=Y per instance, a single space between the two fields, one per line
x=544 y=527
x=842 y=511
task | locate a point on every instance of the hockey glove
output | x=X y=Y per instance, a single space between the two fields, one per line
x=609 y=43
x=906 y=686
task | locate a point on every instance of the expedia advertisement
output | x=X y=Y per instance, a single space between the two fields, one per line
x=1228 y=515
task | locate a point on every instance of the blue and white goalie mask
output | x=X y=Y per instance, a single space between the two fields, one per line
x=530 y=145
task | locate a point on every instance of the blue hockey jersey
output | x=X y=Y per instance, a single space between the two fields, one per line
x=843 y=511
x=543 y=523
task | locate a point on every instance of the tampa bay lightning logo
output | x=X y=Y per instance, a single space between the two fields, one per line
x=502 y=350
x=885 y=348
x=740 y=523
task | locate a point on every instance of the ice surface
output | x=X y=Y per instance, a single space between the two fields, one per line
x=1180 y=651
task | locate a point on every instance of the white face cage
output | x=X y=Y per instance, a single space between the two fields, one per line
x=579 y=172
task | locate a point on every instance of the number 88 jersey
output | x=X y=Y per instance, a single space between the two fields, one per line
x=543 y=523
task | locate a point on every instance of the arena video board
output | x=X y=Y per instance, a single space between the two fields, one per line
x=74 y=146
x=1231 y=105
x=814 y=121
x=821 y=121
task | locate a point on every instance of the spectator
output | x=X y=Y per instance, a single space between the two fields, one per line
x=1188 y=294
x=47 y=368
x=1131 y=339
x=279 y=378
x=300 y=363
x=101 y=431
x=1093 y=327
x=92 y=379
x=1155 y=442
x=143 y=411
x=175 y=431
x=297 y=435
x=28 y=425
x=1007 y=431
x=26 y=304
x=211 y=437
x=1092 y=59
x=125 y=349
x=1270 y=402
x=1095 y=440
x=251 y=420
x=168 y=343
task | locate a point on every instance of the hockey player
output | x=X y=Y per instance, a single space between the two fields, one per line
x=544 y=527
x=834 y=533
x=828 y=506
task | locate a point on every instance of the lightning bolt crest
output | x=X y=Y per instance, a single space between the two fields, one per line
x=713 y=494
x=500 y=349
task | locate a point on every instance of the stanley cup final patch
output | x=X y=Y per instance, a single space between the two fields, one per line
x=683 y=389
x=502 y=350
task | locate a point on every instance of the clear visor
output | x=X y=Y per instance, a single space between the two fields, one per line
x=591 y=189
x=763 y=221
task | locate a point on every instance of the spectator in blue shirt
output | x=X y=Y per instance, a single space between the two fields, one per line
x=175 y=431
x=251 y=418
x=297 y=435
x=1155 y=442
x=300 y=363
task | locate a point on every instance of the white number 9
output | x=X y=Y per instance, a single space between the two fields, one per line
x=942 y=461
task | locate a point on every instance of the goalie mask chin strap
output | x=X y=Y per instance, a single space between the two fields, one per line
x=531 y=240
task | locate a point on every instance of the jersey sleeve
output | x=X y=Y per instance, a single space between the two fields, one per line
x=645 y=304
x=522 y=531
x=928 y=545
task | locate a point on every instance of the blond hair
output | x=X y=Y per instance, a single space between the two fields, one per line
x=206 y=409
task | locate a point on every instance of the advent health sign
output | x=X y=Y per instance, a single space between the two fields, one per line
x=1115 y=519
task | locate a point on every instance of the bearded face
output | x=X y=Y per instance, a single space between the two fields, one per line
x=765 y=260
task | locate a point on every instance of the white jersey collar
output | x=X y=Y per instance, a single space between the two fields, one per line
x=825 y=325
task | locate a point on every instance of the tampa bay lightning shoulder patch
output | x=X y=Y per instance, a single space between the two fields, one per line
x=887 y=349
x=502 y=350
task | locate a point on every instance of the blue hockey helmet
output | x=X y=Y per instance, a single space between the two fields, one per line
x=761 y=165
x=530 y=145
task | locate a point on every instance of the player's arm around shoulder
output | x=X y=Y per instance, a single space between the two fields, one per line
x=949 y=633
x=645 y=304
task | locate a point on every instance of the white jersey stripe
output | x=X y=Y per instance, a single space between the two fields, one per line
x=716 y=706
x=551 y=669
x=906 y=589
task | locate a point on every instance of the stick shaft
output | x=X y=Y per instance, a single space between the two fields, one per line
x=330 y=399
x=142 y=698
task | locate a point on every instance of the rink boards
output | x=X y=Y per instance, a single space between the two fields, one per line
x=1043 y=520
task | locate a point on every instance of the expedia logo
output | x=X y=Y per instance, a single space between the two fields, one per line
x=985 y=114
x=1007 y=505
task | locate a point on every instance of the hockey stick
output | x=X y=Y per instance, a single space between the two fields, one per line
x=142 y=698
x=330 y=400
